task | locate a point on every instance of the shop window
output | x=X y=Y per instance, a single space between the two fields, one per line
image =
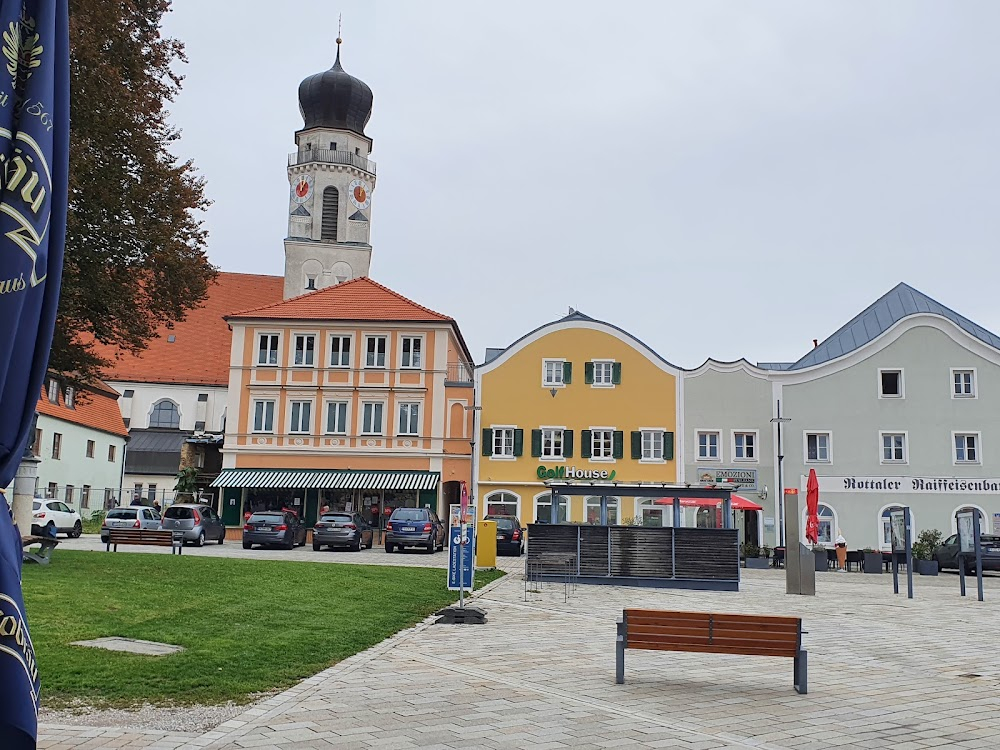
x=708 y=446
x=963 y=383
x=593 y=510
x=543 y=509
x=267 y=349
x=818 y=447
x=340 y=351
x=411 y=352
x=502 y=504
x=890 y=383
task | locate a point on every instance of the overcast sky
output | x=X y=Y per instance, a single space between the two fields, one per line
x=721 y=179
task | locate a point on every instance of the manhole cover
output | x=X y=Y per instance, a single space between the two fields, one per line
x=131 y=645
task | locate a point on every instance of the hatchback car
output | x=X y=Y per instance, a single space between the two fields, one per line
x=947 y=554
x=414 y=527
x=196 y=521
x=51 y=517
x=130 y=517
x=342 y=530
x=274 y=528
x=510 y=535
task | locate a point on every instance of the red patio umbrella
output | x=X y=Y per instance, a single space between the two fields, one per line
x=812 y=508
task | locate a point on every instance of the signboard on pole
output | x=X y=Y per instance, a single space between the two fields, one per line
x=897 y=527
x=996 y=524
x=966 y=535
x=461 y=548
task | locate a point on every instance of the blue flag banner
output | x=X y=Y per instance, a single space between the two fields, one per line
x=34 y=165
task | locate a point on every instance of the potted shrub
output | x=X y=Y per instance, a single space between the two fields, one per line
x=923 y=551
x=873 y=560
x=753 y=557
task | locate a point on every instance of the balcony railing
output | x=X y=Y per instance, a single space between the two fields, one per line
x=459 y=373
x=326 y=156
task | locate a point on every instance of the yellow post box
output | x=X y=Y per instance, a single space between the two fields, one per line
x=486 y=544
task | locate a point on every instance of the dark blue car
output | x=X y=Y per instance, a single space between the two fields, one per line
x=414 y=527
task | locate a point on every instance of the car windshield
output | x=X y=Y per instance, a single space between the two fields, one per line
x=337 y=518
x=181 y=513
x=409 y=514
x=267 y=518
x=121 y=513
x=504 y=524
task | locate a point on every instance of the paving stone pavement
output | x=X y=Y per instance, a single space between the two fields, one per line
x=884 y=672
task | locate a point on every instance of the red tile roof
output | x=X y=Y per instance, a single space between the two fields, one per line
x=199 y=353
x=358 y=299
x=96 y=406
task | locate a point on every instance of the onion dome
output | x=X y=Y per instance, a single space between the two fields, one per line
x=335 y=99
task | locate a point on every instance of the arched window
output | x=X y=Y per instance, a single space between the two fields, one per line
x=543 y=508
x=331 y=208
x=827 y=523
x=165 y=414
x=503 y=504
x=983 y=528
x=593 y=510
x=885 y=535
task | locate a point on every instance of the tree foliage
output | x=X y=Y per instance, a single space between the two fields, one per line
x=135 y=256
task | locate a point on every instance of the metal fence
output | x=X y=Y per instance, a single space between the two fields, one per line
x=88 y=500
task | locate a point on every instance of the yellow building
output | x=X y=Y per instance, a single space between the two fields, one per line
x=577 y=399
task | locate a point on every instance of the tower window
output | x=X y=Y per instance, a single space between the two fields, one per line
x=310 y=282
x=331 y=207
x=333 y=145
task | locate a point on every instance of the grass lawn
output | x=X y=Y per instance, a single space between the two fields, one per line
x=248 y=626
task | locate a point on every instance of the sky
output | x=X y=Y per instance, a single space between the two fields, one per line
x=720 y=179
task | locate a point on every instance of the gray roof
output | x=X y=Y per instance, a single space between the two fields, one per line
x=775 y=365
x=899 y=302
x=154 y=451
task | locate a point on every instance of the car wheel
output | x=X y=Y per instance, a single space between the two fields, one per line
x=358 y=546
x=247 y=545
x=77 y=530
x=200 y=542
x=222 y=538
x=432 y=547
x=317 y=546
x=388 y=548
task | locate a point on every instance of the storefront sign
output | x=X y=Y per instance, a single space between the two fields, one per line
x=901 y=485
x=744 y=478
x=571 y=472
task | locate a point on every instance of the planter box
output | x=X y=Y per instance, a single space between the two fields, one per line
x=758 y=563
x=873 y=562
x=927 y=567
x=822 y=560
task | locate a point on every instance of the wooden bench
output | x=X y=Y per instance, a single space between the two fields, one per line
x=44 y=554
x=150 y=537
x=705 y=632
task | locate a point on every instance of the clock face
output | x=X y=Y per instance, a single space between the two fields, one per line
x=302 y=188
x=360 y=193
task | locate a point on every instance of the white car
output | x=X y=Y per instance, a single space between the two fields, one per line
x=48 y=514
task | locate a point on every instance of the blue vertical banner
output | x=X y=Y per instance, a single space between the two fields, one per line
x=34 y=164
x=461 y=548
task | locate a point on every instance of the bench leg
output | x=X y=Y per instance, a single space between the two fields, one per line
x=620 y=655
x=801 y=669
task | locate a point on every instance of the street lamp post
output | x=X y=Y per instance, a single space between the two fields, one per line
x=779 y=420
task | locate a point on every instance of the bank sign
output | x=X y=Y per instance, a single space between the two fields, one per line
x=907 y=485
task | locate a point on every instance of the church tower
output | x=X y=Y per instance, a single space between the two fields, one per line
x=331 y=181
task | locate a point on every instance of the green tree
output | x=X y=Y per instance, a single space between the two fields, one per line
x=135 y=257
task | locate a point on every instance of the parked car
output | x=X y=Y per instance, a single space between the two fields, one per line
x=947 y=554
x=130 y=517
x=342 y=530
x=414 y=527
x=197 y=521
x=510 y=535
x=54 y=515
x=274 y=528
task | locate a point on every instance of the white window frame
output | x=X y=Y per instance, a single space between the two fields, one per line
x=718 y=444
x=545 y=498
x=292 y=403
x=403 y=365
x=883 y=526
x=756 y=445
x=410 y=405
x=615 y=502
x=326 y=416
x=295 y=349
x=53 y=389
x=902 y=383
x=263 y=430
x=834 y=524
x=562 y=442
x=975 y=382
x=363 y=415
x=277 y=350
x=604 y=363
x=610 y=458
x=906 y=447
x=502 y=428
x=517 y=502
x=656 y=433
x=385 y=353
x=978 y=447
x=546 y=383
x=829 y=447
x=340 y=337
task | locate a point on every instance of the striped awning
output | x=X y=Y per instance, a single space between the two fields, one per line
x=327 y=479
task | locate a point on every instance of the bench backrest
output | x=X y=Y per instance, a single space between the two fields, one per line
x=141 y=536
x=760 y=635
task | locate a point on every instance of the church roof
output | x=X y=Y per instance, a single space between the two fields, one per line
x=335 y=99
x=195 y=351
x=898 y=303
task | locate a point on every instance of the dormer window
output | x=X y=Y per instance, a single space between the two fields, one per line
x=70 y=397
x=53 y=391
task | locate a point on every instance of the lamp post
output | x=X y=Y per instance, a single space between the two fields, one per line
x=779 y=420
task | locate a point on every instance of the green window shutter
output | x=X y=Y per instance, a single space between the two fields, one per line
x=536 y=443
x=487 y=441
x=568 y=443
x=584 y=443
x=588 y=373
x=518 y=442
x=636 y=444
x=616 y=373
x=567 y=372
x=618 y=444
x=668 y=446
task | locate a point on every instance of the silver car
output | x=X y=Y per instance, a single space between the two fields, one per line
x=130 y=517
x=197 y=522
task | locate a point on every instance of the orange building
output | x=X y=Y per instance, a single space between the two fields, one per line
x=352 y=396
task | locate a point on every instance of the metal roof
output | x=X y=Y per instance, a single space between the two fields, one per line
x=899 y=302
x=327 y=479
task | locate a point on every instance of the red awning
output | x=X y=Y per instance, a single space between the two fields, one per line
x=738 y=502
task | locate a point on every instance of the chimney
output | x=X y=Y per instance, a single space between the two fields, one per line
x=815 y=343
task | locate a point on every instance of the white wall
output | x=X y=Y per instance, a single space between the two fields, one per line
x=138 y=408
